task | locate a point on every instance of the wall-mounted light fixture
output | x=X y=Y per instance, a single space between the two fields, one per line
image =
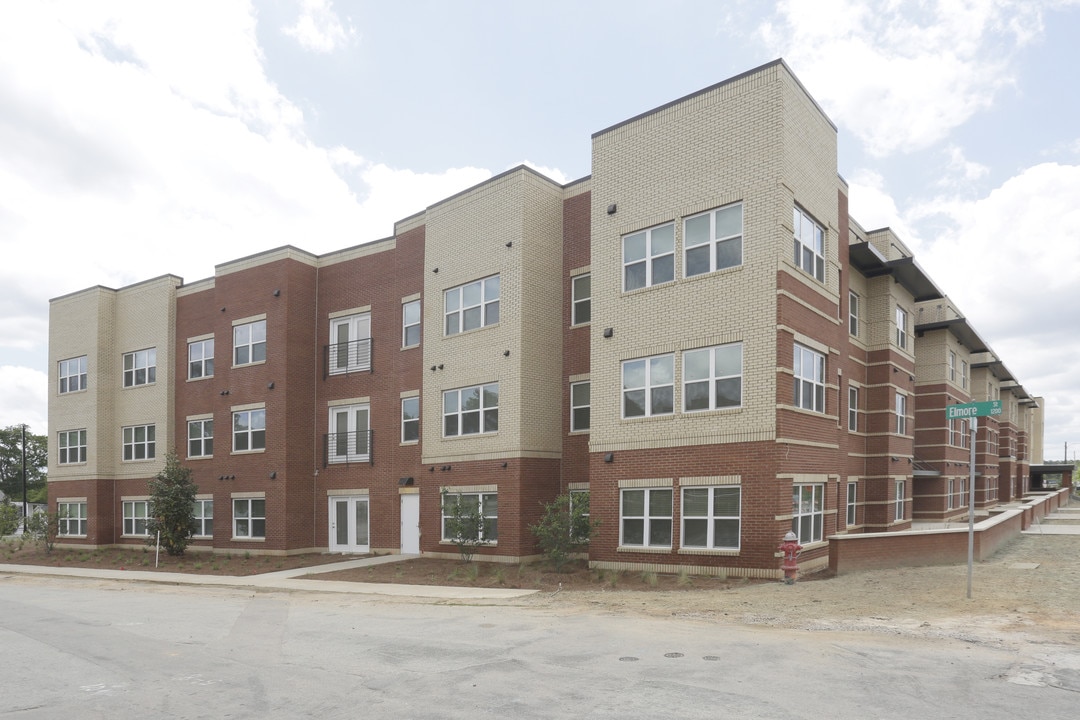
x=273 y=474
x=277 y=293
x=610 y=457
x=504 y=465
x=506 y=353
x=608 y=332
x=270 y=385
x=404 y=482
x=611 y=209
x=510 y=244
x=435 y=270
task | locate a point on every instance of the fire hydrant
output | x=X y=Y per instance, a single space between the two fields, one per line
x=790 y=547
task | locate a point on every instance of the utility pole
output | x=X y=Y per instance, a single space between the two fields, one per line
x=25 y=505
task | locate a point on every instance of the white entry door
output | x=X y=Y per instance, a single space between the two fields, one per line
x=410 y=524
x=349 y=524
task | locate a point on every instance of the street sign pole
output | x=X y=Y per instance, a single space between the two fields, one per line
x=971 y=501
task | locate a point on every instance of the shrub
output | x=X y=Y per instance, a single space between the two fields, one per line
x=464 y=524
x=9 y=518
x=172 y=496
x=564 y=529
x=42 y=528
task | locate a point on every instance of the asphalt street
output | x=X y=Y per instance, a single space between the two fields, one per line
x=80 y=648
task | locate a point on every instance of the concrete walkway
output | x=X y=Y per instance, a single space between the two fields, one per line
x=1066 y=521
x=284 y=580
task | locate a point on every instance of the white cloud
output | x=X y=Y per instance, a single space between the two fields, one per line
x=25 y=398
x=961 y=168
x=902 y=74
x=318 y=27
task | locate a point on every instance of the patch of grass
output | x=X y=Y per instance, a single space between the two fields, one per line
x=649 y=578
x=613 y=577
x=197 y=565
x=498 y=575
x=683 y=579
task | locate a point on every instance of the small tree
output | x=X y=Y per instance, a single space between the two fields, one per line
x=464 y=523
x=9 y=518
x=172 y=497
x=42 y=528
x=564 y=529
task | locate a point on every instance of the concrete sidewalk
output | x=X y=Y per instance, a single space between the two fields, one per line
x=1066 y=521
x=284 y=580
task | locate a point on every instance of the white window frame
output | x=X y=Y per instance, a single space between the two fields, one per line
x=901 y=413
x=136 y=514
x=488 y=505
x=202 y=516
x=950 y=488
x=651 y=257
x=715 y=375
x=71 y=375
x=898 y=515
x=711 y=517
x=853 y=409
x=952 y=366
x=963 y=374
x=487 y=412
x=356 y=445
x=65 y=447
x=249 y=518
x=712 y=242
x=201 y=359
x=808 y=518
x=852 y=503
x=357 y=353
x=809 y=239
x=581 y=299
x=853 y=314
x=254 y=422
x=901 y=328
x=200 y=437
x=249 y=343
x=140 y=367
x=138 y=442
x=72 y=518
x=809 y=371
x=648 y=518
x=580 y=406
x=651 y=385
x=410 y=323
x=456 y=313
x=410 y=418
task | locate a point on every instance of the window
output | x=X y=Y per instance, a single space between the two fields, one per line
x=581 y=296
x=136 y=515
x=410 y=419
x=711 y=517
x=899 y=515
x=949 y=492
x=139 y=442
x=72 y=444
x=471 y=410
x=349 y=439
x=901 y=328
x=140 y=368
x=713 y=240
x=952 y=366
x=249 y=343
x=712 y=378
x=200 y=355
x=410 y=323
x=960 y=500
x=486 y=503
x=72 y=518
x=809 y=369
x=580 y=405
x=249 y=518
x=853 y=409
x=581 y=524
x=645 y=518
x=472 y=306
x=963 y=374
x=202 y=516
x=853 y=314
x=649 y=257
x=901 y=414
x=350 y=349
x=200 y=435
x=648 y=386
x=809 y=245
x=852 y=495
x=249 y=430
x=807 y=512
x=72 y=375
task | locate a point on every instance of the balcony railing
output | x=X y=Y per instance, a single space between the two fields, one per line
x=348 y=357
x=349 y=448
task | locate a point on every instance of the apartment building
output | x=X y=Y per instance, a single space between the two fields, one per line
x=697 y=335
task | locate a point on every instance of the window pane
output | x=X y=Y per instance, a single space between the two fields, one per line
x=470 y=423
x=633 y=503
x=729 y=221
x=696 y=231
x=579 y=394
x=491 y=395
x=634 y=247
x=696 y=365
x=663 y=269
x=729 y=253
x=634 y=403
x=491 y=420
x=635 y=276
x=472 y=318
x=470 y=398
x=726 y=501
x=491 y=288
x=660 y=532
x=695 y=533
x=633 y=532
x=696 y=396
x=663 y=400
x=661 y=370
x=633 y=374
x=729 y=392
x=726 y=533
x=695 y=502
x=660 y=503
x=697 y=261
x=663 y=240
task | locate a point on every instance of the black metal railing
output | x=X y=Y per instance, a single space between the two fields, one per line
x=349 y=448
x=348 y=357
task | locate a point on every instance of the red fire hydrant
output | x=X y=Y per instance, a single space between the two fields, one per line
x=790 y=547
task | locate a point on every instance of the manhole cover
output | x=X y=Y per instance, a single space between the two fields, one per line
x=673 y=655
x=712 y=658
x=1023 y=566
x=628 y=658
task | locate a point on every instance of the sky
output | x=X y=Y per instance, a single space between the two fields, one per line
x=141 y=139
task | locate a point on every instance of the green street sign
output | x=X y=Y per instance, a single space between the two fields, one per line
x=975 y=409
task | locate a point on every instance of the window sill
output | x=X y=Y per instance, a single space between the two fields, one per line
x=70 y=392
x=469 y=332
x=411 y=347
x=724 y=552
x=200 y=379
x=199 y=457
x=712 y=273
x=585 y=324
x=635 y=291
x=579 y=432
x=135 y=537
x=641 y=418
x=714 y=411
x=66 y=465
x=470 y=435
x=138 y=460
x=71 y=537
x=405 y=443
x=247 y=539
x=248 y=452
x=355 y=460
x=482 y=543
x=244 y=365
x=643 y=549
x=136 y=387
